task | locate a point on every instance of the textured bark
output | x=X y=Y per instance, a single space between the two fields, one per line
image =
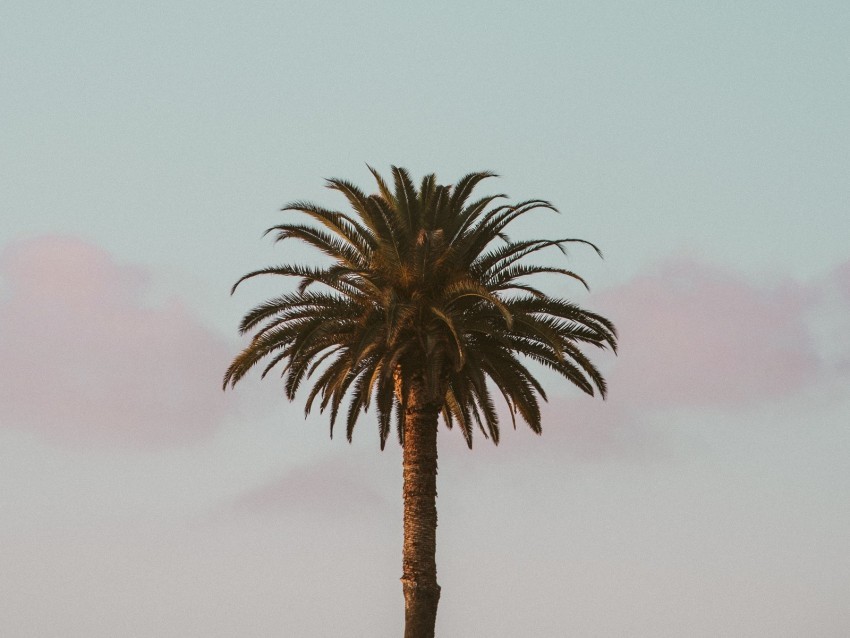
x=419 y=577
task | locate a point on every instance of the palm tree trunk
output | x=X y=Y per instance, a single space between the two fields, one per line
x=419 y=577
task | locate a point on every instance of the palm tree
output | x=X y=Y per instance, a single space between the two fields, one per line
x=424 y=311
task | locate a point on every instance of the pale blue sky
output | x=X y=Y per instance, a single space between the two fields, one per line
x=167 y=136
x=719 y=128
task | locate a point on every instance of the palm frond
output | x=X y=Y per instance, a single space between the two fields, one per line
x=424 y=289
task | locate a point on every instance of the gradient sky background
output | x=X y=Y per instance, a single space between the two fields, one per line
x=704 y=146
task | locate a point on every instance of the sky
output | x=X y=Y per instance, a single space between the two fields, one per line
x=144 y=149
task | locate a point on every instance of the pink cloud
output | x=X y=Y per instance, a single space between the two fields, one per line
x=694 y=335
x=841 y=277
x=834 y=317
x=86 y=359
x=691 y=336
x=336 y=487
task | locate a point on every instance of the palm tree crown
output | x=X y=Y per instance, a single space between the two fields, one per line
x=423 y=287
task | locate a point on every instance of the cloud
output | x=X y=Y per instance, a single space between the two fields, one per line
x=841 y=277
x=695 y=335
x=336 y=487
x=87 y=360
x=830 y=319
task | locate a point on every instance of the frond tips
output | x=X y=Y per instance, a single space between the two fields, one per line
x=420 y=285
